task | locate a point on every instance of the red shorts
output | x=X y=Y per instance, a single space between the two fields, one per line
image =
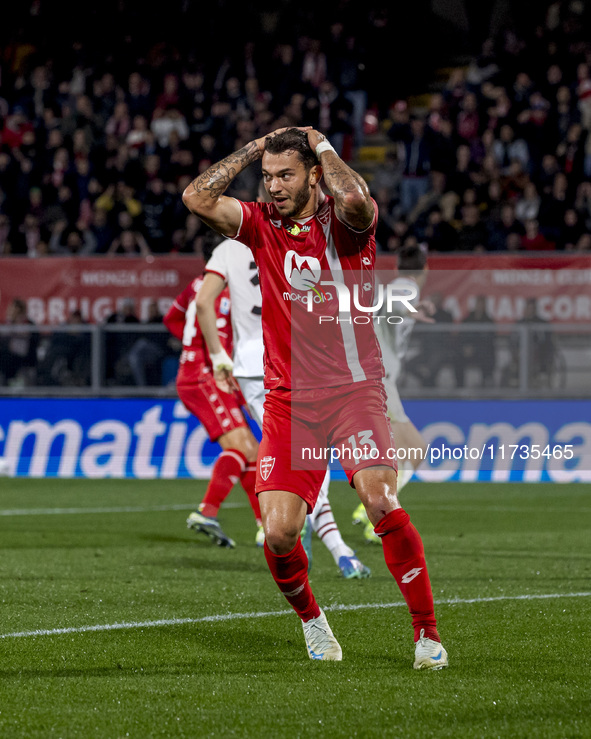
x=219 y=412
x=304 y=430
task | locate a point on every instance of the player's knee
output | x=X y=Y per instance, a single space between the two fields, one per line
x=281 y=538
x=376 y=488
x=251 y=449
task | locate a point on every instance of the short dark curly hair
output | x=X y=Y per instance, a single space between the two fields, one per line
x=412 y=258
x=292 y=140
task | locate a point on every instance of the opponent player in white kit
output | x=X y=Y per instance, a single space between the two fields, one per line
x=394 y=340
x=218 y=406
x=323 y=369
x=232 y=264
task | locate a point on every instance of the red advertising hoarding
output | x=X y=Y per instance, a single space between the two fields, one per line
x=54 y=286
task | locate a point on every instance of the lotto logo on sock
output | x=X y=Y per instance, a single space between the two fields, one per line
x=267 y=464
x=293 y=593
x=411 y=574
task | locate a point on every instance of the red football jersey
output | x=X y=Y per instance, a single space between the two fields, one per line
x=181 y=321
x=310 y=341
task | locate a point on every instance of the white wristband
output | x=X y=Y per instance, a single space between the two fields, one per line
x=324 y=146
x=221 y=361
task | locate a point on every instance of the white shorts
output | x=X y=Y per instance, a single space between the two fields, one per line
x=254 y=393
x=395 y=408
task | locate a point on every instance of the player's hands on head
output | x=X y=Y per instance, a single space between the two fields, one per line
x=260 y=142
x=315 y=138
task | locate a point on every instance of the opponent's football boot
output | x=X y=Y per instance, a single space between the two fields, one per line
x=210 y=526
x=352 y=568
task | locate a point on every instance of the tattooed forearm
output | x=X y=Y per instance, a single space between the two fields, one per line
x=349 y=189
x=214 y=181
x=341 y=179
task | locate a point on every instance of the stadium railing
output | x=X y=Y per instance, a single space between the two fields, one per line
x=525 y=360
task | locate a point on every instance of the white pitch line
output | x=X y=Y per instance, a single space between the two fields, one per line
x=263 y=614
x=121 y=509
x=484 y=508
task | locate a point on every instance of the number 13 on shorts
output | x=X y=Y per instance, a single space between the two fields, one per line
x=362 y=446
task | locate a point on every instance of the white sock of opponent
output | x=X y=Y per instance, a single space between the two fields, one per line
x=405 y=470
x=326 y=527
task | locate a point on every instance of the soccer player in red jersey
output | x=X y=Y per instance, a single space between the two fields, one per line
x=218 y=409
x=323 y=365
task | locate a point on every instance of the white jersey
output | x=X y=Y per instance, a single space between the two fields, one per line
x=234 y=263
x=395 y=338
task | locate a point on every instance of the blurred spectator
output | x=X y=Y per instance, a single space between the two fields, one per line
x=331 y=112
x=119 y=343
x=314 y=64
x=528 y=205
x=583 y=204
x=18 y=348
x=147 y=353
x=571 y=230
x=66 y=361
x=165 y=122
x=476 y=348
x=570 y=153
x=5 y=234
x=436 y=349
x=472 y=235
x=386 y=177
x=157 y=208
x=468 y=119
x=541 y=348
x=189 y=239
x=507 y=149
x=533 y=240
x=439 y=234
x=462 y=176
x=541 y=344
x=78 y=240
x=31 y=239
x=417 y=147
x=499 y=231
x=553 y=207
x=129 y=244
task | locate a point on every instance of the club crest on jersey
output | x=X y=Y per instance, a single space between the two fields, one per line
x=296 y=229
x=301 y=272
x=323 y=214
x=266 y=467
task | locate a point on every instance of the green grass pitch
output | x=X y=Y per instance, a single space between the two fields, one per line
x=168 y=661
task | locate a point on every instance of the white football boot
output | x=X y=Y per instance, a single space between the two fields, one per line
x=429 y=654
x=320 y=640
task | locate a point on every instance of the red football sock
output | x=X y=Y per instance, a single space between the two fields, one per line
x=227 y=470
x=290 y=572
x=405 y=558
x=248 y=480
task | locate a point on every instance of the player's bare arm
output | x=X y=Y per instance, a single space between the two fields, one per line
x=205 y=195
x=350 y=191
x=210 y=289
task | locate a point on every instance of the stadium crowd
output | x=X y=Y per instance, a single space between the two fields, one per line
x=93 y=155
